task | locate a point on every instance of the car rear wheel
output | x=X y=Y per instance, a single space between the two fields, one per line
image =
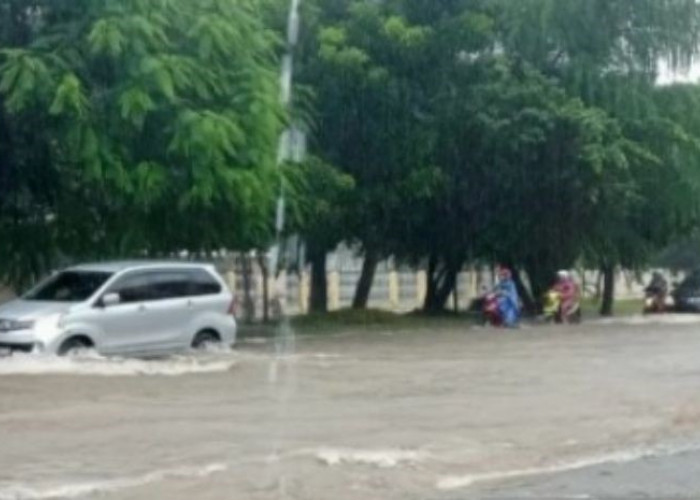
x=76 y=346
x=206 y=340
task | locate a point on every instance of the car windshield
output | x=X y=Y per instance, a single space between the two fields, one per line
x=69 y=286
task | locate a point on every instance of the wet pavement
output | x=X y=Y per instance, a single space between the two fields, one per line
x=444 y=413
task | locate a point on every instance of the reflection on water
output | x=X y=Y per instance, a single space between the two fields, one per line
x=282 y=385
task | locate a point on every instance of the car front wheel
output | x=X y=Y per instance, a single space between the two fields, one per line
x=206 y=340
x=76 y=346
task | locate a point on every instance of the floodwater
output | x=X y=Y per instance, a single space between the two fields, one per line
x=434 y=414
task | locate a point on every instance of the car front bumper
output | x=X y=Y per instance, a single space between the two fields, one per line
x=10 y=348
x=20 y=341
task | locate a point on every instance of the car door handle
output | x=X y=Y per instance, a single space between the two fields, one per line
x=142 y=308
x=190 y=303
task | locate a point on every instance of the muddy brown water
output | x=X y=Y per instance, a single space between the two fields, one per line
x=443 y=413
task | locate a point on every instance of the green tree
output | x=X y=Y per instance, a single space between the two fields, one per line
x=608 y=54
x=320 y=202
x=374 y=71
x=135 y=127
x=523 y=168
x=528 y=132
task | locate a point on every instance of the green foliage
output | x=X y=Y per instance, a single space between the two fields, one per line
x=527 y=132
x=365 y=68
x=320 y=200
x=163 y=130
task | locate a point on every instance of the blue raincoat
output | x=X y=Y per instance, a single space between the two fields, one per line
x=508 y=302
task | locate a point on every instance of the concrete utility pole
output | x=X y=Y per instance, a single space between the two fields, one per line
x=292 y=147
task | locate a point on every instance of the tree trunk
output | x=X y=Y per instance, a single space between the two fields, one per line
x=248 y=303
x=318 y=302
x=607 y=305
x=266 y=288
x=529 y=303
x=448 y=285
x=364 y=286
x=442 y=280
x=541 y=278
x=430 y=288
x=455 y=294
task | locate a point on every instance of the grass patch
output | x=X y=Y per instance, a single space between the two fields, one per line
x=371 y=320
x=626 y=307
x=348 y=317
x=376 y=320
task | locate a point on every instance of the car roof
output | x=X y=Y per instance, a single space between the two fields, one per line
x=118 y=266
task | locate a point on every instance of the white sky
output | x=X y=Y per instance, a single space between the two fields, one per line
x=667 y=76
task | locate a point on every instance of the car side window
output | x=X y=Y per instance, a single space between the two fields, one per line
x=163 y=285
x=169 y=285
x=133 y=288
x=203 y=283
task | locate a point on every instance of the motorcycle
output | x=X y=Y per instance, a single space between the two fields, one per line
x=551 y=306
x=552 y=309
x=491 y=311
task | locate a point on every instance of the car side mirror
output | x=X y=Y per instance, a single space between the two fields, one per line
x=110 y=299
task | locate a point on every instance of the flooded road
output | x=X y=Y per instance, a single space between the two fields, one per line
x=439 y=414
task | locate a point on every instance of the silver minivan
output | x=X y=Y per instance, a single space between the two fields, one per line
x=122 y=308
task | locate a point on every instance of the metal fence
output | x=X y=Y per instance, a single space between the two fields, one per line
x=395 y=288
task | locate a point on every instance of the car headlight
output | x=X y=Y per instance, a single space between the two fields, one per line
x=49 y=323
x=11 y=325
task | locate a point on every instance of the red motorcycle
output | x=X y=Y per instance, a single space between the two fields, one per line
x=491 y=311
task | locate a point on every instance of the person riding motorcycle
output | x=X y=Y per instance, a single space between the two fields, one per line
x=508 y=299
x=551 y=306
x=569 y=297
x=656 y=293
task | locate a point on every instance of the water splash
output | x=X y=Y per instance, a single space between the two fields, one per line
x=101 y=487
x=383 y=459
x=27 y=364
